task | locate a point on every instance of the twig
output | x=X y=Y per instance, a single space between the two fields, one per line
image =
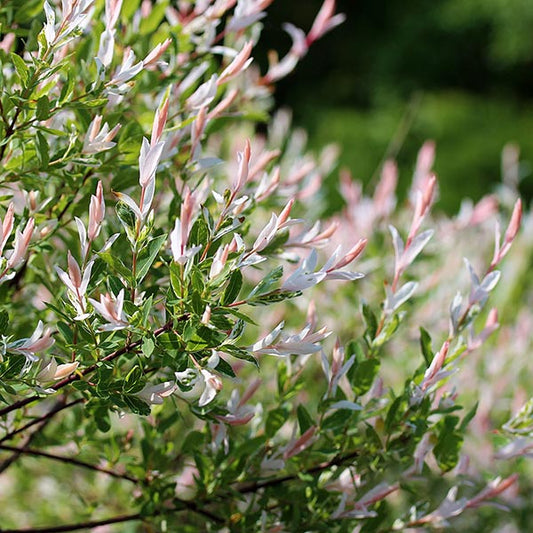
x=17 y=451
x=187 y=506
x=77 y=527
x=69 y=460
x=59 y=407
x=257 y=485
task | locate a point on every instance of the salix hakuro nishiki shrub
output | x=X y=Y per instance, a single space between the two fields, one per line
x=167 y=292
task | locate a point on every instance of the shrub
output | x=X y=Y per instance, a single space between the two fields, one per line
x=162 y=361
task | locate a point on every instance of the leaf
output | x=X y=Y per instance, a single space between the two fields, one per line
x=225 y=368
x=169 y=341
x=363 y=376
x=274 y=297
x=266 y=283
x=116 y=264
x=370 y=320
x=136 y=405
x=126 y=215
x=199 y=233
x=468 y=417
x=393 y=414
x=148 y=346
x=42 y=112
x=204 y=337
x=66 y=332
x=148 y=255
x=22 y=69
x=150 y=23
x=337 y=420
x=43 y=150
x=175 y=279
x=12 y=367
x=101 y=417
x=275 y=419
x=134 y=381
x=4 y=322
x=449 y=444
x=240 y=315
x=305 y=421
x=193 y=441
x=232 y=289
x=239 y=353
x=425 y=345
x=388 y=330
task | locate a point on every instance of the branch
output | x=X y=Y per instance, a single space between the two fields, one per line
x=67 y=460
x=76 y=527
x=187 y=506
x=59 y=407
x=75 y=377
x=257 y=485
x=29 y=439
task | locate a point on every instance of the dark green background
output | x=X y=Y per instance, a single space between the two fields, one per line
x=397 y=73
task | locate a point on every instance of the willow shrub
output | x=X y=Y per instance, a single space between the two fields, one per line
x=167 y=294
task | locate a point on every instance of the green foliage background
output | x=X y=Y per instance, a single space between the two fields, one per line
x=398 y=73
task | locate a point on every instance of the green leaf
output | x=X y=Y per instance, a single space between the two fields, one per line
x=134 y=381
x=370 y=320
x=43 y=150
x=117 y=266
x=275 y=419
x=128 y=9
x=337 y=420
x=193 y=441
x=150 y=23
x=225 y=368
x=389 y=328
x=22 y=69
x=170 y=341
x=266 y=284
x=101 y=417
x=468 y=417
x=425 y=346
x=239 y=353
x=199 y=233
x=148 y=255
x=42 y=111
x=136 y=405
x=305 y=421
x=393 y=414
x=240 y=315
x=4 y=322
x=148 y=346
x=232 y=289
x=66 y=332
x=12 y=367
x=449 y=444
x=204 y=337
x=175 y=279
x=126 y=215
x=274 y=297
x=363 y=375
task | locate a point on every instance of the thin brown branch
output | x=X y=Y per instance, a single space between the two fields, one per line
x=257 y=485
x=68 y=460
x=58 y=408
x=77 y=527
x=27 y=441
x=184 y=506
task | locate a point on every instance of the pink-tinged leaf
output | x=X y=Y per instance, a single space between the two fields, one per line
x=416 y=246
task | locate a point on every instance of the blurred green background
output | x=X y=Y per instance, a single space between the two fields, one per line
x=396 y=73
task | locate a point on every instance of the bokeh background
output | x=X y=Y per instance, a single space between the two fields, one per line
x=397 y=73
